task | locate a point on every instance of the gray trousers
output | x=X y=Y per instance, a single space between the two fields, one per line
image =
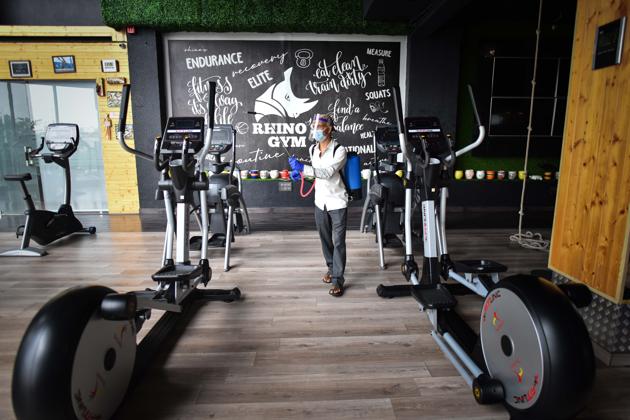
x=331 y=226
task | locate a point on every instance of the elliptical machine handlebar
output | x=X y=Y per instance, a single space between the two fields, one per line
x=482 y=129
x=157 y=146
x=208 y=140
x=122 y=122
x=401 y=130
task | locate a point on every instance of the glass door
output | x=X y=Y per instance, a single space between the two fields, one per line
x=16 y=133
x=59 y=102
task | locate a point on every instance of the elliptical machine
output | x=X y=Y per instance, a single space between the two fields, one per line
x=226 y=205
x=78 y=355
x=533 y=352
x=44 y=226
x=383 y=210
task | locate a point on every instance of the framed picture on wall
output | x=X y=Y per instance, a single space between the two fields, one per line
x=609 y=44
x=64 y=64
x=114 y=98
x=128 y=130
x=109 y=66
x=20 y=68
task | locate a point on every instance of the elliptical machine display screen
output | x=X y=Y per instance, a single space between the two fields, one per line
x=222 y=138
x=429 y=130
x=178 y=128
x=387 y=139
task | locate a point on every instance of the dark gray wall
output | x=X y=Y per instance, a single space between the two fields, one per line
x=433 y=75
x=432 y=83
x=145 y=63
x=50 y=12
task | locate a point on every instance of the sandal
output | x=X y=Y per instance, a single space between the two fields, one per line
x=327 y=278
x=336 y=291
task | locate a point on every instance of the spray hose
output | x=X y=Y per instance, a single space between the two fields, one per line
x=302 y=193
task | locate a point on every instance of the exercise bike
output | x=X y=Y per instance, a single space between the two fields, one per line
x=44 y=226
x=226 y=205
x=533 y=352
x=78 y=355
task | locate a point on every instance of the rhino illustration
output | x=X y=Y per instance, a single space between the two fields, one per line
x=280 y=100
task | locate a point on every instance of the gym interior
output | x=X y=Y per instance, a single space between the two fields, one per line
x=240 y=209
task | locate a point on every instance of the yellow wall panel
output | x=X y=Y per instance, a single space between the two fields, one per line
x=119 y=166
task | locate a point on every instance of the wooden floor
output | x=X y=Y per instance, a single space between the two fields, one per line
x=287 y=350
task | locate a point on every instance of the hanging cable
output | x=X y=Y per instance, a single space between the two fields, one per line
x=529 y=239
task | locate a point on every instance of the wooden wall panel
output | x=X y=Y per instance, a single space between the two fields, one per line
x=120 y=167
x=591 y=223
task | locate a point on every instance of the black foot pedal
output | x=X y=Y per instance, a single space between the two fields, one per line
x=478 y=266
x=177 y=273
x=224 y=295
x=392 y=241
x=393 y=291
x=217 y=240
x=195 y=243
x=433 y=296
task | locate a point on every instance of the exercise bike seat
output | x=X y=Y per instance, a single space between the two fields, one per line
x=18 y=177
x=478 y=266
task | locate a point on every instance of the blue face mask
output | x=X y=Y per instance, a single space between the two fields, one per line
x=319 y=135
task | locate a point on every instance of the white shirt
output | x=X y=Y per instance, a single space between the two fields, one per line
x=330 y=191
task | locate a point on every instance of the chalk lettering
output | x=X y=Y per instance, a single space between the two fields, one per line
x=379 y=53
x=378 y=94
x=382 y=120
x=260 y=79
x=277 y=57
x=213 y=60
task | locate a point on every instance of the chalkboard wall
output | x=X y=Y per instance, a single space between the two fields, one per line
x=285 y=83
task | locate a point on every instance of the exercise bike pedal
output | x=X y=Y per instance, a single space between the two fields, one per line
x=478 y=267
x=487 y=390
x=433 y=296
x=19 y=231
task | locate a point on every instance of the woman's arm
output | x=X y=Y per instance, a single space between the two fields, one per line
x=339 y=160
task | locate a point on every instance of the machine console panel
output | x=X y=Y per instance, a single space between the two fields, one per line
x=387 y=139
x=177 y=128
x=429 y=131
x=62 y=138
x=222 y=139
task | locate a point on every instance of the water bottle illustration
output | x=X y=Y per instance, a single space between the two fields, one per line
x=380 y=70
